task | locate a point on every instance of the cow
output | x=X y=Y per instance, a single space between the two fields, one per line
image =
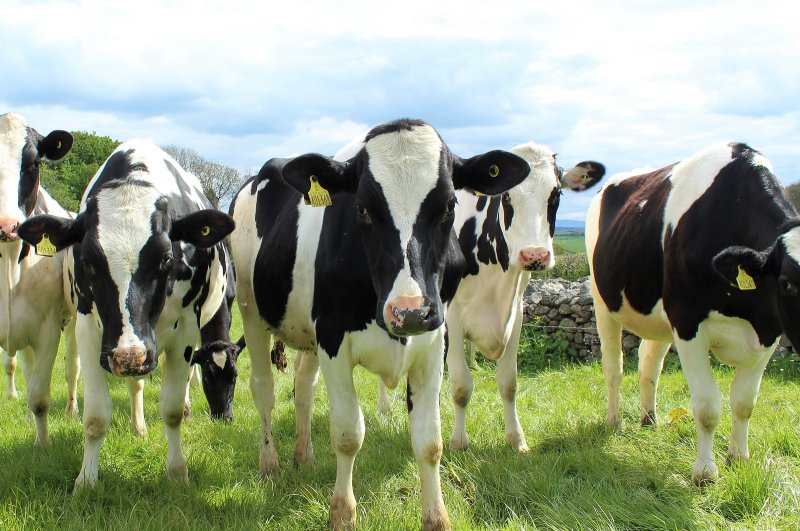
x=32 y=309
x=147 y=272
x=703 y=254
x=504 y=239
x=364 y=281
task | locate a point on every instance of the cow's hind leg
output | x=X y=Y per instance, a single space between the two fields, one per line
x=460 y=385
x=507 y=384
x=72 y=368
x=174 y=375
x=306 y=377
x=10 y=367
x=743 y=399
x=610 y=332
x=136 y=396
x=384 y=403
x=651 y=362
x=41 y=376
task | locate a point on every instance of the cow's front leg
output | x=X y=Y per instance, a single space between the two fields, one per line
x=41 y=376
x=262 y=387
x=10 y=367
x=347 y=435
x=97 y=406
x=706 y=404
x=136 y=396
x=384 y=403
x=460 y=384
x=72 y=368
x=651 y=362
x=424 y=382
x=507 y=385
x=174 y=374
x=306 y=377
x=744 y=390
x=610 y=333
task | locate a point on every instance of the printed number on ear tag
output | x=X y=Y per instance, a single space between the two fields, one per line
x=45 y=247
x=745 y=281
x=317 y=195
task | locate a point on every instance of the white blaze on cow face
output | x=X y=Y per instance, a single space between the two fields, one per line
x=791 y=241
x=13 y=136
x=406 y=165
x=219 y=359
x=123 y=227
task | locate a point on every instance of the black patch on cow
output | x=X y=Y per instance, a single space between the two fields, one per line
x=468 y=241
x=403 y=124
x=118 y=167
x=23 y=252
x=619 y=264
x=446 y=342
x=28 y=191
x=552 y=208
x=409 y=403
x=187 y=354
x=492 y=246
x=481 y=203
x=508 y=211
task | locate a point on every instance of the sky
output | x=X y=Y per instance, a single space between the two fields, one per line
x=632 y=84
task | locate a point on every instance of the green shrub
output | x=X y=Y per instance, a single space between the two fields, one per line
x=568 y=266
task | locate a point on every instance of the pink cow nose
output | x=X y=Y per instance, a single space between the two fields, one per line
x=534 y=258
x=407 y=315
x=8 y=229
x=128 y=361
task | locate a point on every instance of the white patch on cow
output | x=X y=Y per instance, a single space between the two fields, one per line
x=298 y=329
x=761 y=160
x=791 y=240
x=690 y=180
x=219 y=359
x=405 y=164
x=262 y=185
x=123 y=227
x=13 y=135
x=642 y=203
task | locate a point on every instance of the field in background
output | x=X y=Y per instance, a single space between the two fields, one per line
x=578 y=475
x=569 y=241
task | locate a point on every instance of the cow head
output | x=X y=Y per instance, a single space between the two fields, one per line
x=404 y=180
x=528 y=210
x=780 y=264
x=217 y=361
x=22 y=150
x=130 y=246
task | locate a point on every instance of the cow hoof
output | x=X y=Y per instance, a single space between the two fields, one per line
x=187 y=410
x=139 y=431
x=71 y=410
x=82 y=484
x=304 y=456
x=649 y=419
x=458 y=443
x=178 y=472
x=517 y=442
x=704 y=473
x=384 y=408
x=12 y=394
x=613 y=421
x=268 y=465
x=42 y=442
x=734 y=456
x=439 y=523
x=343 y=512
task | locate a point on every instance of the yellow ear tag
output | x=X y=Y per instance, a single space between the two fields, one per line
x=45 y=247
x=206 y=230
x=317 y=195
x=745 y=281
x=494 y=170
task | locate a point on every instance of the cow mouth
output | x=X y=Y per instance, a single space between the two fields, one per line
x=130 y=366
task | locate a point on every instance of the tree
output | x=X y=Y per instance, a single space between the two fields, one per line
x=219 y=182
x=793 y=192
x=66 y=179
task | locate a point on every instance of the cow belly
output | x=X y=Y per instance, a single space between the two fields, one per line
x=733 y=340
x=653 y=326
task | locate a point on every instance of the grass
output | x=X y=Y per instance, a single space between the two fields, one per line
x=569 y=242
x=578 y=475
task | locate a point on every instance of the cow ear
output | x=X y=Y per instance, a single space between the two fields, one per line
x=203 y=228
x=735 y=264
x=320 y=172
x=583 y=175
x=491 y=173
x=62 y=232
x=55 y=145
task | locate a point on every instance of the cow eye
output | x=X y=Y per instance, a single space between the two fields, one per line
x=166 y=262
x=363 y=214
x=787 y=287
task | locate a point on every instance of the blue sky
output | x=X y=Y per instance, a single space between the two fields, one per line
x=636 y=84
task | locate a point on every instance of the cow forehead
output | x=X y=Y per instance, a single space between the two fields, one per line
x=124 y=217
x=13 y=136
x=542 y=162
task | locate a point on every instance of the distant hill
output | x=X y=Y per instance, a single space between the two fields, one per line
x=569 y=224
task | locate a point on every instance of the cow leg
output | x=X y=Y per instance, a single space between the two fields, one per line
x=72 y=368
x=460 y=384
x=9 y=367
x=706 y=405
x=424 y=382
x=347 y=435
x=384 y=403
x=610 y=333
x=262 y=386
x=744 y=390
x=41 y=376
x=136 y=395
x=97 y=406
x=507 y=384
x=651 y=362
x=306 y=377
x=470 y=353
x=174 y=375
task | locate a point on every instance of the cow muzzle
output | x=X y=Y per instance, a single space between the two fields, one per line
x=8 y=229
x=408 y=316
x=131 y=361
x=534 y=258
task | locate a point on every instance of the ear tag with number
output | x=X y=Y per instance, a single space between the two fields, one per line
x=205 y=231
x=317 y=195
x=744 y=281
x=45 y=247
x=494 y=171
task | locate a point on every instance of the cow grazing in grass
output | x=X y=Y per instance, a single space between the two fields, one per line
x=32 y=309
x=503 y=239
x=148 y=273
x=703 y=254
x=364 y=281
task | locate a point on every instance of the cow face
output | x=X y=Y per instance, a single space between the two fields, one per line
x=129 y=254
x=217 y=363
x=778 y=265
x=404 y=180
x=529 y=209
x=22 y=150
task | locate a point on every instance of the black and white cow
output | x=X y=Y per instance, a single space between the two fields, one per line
x=147 y=274
x=703 y=254
x=362 y=282
x=503 y=239
x=32 y=309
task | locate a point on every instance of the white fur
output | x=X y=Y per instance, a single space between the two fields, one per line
x=13 y=135
x=219 y=359
x=791 y=240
